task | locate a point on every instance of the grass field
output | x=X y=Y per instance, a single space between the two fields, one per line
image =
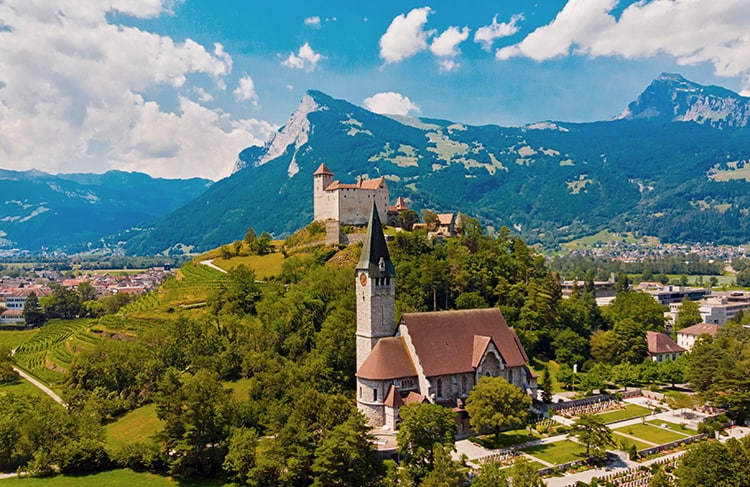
x=654 y=434
x=673 y=426
x=630 y=411
x=506 y=439
x=557 y=452
x=13 y=338
x=112 y=478
x=137 y=425
x=639 y=445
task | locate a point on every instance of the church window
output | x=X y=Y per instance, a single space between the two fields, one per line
x=439 y=388
x=374 y=394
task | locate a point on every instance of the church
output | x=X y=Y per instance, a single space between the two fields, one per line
x=434 y=357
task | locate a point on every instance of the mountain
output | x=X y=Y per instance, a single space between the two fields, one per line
x=44 y=210
x=654 y=171
x=673 y=98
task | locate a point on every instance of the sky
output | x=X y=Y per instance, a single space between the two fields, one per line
x=177 y=88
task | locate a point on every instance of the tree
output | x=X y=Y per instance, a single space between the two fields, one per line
x=445 y=471
x=592 y=431
x=689 y=314
x=495 y=403
x=423 y=427
x=240 y=458
x=32 y=313
x=194 y=411
x=346 y=456
x=546 y=384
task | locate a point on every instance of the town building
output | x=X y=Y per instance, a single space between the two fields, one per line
x=661 y=347
x=687 y=337
x=434 y=357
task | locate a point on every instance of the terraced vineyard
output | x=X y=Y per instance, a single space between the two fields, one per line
x=50 y=352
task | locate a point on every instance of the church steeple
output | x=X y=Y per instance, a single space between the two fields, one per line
x=376 y=290
x=375 y=259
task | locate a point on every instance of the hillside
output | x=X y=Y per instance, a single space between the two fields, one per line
x=41 y=210
x=552 y=182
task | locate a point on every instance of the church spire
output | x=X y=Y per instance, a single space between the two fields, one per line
x=375 y=259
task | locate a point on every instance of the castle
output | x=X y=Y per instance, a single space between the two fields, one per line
x=431 y=357
x=348 y=204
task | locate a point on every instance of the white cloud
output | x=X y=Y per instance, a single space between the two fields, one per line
x=691 y=31
x=390 y=103
x=405 y=36
x=305 y=58
x=80 y=94
x=485 y=36
x=203 y=95
x=446 y=44
x=313 y=21
x=246 y=90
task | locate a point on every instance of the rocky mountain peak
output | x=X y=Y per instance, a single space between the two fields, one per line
x=671 y=97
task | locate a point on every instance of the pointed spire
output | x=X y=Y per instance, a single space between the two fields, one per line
x=375 y=258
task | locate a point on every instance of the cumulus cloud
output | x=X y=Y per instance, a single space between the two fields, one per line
x=306 y=58
x=691 y=31
x=446 y=44
x=390 y=103
x=485 y=36
x=405 y=36
x=246 y=90
x=313 y=21
x=82 y=93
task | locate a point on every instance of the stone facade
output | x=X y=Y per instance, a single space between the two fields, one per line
x=348 y=204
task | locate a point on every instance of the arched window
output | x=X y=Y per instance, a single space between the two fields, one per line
x=439 y=388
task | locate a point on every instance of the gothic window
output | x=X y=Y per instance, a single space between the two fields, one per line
x=439 y=388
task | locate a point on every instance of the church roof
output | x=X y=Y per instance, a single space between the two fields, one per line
x=375 y=258
x=700 y=329
x=661 y=343
x=444 y=341
x=323 y=169
x=388 y=360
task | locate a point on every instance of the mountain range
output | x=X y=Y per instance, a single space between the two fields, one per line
x=44 y=211
x=673 y=164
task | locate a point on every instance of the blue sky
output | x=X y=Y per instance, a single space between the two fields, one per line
x=177 y=88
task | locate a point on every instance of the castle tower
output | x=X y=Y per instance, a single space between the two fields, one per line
x=375 y=290
x=322 y=178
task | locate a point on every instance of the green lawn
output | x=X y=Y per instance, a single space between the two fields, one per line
x=673 y=426
x=112 y=478
x=136 y=425
x=557 y=452
x=639 y=445
x=630 y=411
x=652 y=433
x=506 y=439
x=13 y=338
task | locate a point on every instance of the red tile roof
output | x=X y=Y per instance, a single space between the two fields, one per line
x=444 y=341
x=323 y=169
x=661 y=343
x=389 y=359
x=700 y=329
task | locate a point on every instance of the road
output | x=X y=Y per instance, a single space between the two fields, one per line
x=41 y=386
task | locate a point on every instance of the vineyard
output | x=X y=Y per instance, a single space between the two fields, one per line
x=49 y=353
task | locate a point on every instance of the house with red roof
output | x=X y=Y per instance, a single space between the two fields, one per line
x=432 y=357
x=661 y=347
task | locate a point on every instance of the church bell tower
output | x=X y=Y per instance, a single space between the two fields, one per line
x=375 y=290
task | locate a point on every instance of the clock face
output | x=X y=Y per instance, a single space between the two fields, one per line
x=363 y=279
